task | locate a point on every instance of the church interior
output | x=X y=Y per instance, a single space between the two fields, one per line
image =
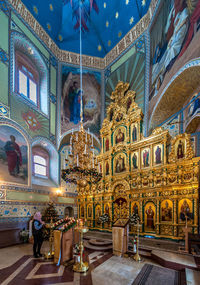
x=100 y=142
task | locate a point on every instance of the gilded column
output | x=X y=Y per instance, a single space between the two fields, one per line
x=175 y=218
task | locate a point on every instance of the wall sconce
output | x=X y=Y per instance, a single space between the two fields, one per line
x=58 y=192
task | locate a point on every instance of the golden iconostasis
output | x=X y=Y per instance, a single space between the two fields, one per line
x=155 y=177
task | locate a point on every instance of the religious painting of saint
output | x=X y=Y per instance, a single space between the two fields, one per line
x=135 y=208
x=146 y=157
x=89 y=211
x=194 y=107
x=82 y=211
x=180 y=149
x=158 y=154
x=107 y=144
x=135 y=160
x=13 y=155
x=185 y=210
x=98 y=211
x=107 y=168
x=119 y=137
x=120 y=164
x=171 y=35
x=128 y=104
x=166 y=211
x=150 y=214
x=71 y=99
x=107 y=210
x=134 y=133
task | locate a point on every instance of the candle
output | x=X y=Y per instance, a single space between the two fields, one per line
x=85 y=150
x=93 y=162
x=99 y=168
x=72 y=131
x=77 y=159
x=92 y=140
x=63 y=163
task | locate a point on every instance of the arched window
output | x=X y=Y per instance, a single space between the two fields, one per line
x=29 y=73
x=40 y=162
x=26 y=78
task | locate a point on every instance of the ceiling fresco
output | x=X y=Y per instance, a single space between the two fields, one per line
x=104 y=22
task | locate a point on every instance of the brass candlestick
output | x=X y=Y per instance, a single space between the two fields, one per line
x=81 y=266
x=137 y=257
x=50 y=253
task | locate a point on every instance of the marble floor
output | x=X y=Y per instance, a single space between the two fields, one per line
x=17 y=266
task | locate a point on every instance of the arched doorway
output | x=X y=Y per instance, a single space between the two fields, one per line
x=69 y=211
x=120 y=209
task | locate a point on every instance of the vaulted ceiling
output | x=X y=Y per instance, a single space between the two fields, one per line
x=104 y=22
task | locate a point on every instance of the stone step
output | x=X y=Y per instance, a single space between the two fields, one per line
x=192 y=277
x=97 y=248
x=100 y=242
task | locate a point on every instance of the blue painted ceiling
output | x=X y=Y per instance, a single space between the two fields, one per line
x=104 y=22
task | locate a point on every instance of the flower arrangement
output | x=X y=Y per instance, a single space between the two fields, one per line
x=65 y=224
x=134 y=219
x=24 y=235
x=104 y=218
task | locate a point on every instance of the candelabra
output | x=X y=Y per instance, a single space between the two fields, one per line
x=82 y=164
x=137 y=257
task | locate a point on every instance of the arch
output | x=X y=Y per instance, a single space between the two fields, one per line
x=180 y=87
x=69 y=211
x=21 y=43
x=193 y=125
x=50 y=148
x=65 y=139
x=15 y=166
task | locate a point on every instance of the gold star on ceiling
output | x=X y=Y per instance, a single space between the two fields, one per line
x=107 y=24
x=117 y=15
x=127 y=1
x=48 y=26
x=35 y=9
x=104 y=4
x=143 y=2
x=131 y=20
x=51 y=7
x=99 y=47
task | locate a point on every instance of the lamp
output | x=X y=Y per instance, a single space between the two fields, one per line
x=83 y=167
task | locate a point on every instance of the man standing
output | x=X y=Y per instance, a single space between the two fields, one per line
x=14 y=156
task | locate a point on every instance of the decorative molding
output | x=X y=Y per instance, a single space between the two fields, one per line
x=4 y=57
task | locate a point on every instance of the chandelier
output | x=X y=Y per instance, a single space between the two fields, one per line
x=83 y=169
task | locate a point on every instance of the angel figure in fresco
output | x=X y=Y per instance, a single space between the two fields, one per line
x=166 y=212
x=158 y=155
x=107 y=144
x=185 y=211
x=180 y=150
x=146 y=158
x=119 y=137
x=150 y=214
x=14 y=156
x=134 y=159
x=134 y=133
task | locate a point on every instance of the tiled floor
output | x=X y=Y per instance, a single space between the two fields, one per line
x=18 y=267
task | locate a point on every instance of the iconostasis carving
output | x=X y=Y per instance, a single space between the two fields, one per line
x=155 y=177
